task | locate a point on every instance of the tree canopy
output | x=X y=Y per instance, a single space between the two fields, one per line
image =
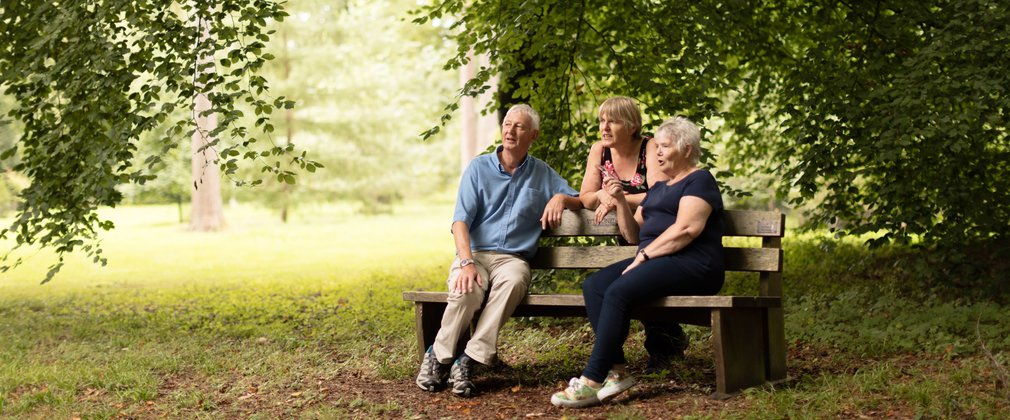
x=89 y=78
x=890 y=116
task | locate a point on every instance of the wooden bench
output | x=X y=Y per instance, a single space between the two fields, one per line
x=748 y=335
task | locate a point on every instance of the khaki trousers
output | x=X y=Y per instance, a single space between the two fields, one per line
x=506 y=279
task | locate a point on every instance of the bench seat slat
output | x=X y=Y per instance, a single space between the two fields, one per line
x=667 y=302
x=567 y=257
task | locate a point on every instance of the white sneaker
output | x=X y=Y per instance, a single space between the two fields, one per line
x=616 y=383
x=577 y=395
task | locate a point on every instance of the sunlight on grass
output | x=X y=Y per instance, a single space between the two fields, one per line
x=261 y=305
x=150 y=249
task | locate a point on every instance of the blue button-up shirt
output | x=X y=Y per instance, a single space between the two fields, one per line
x=503 y=211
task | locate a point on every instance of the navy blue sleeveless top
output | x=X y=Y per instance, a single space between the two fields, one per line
x=659 y=212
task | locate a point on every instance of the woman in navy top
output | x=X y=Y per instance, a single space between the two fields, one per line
x=678 y=228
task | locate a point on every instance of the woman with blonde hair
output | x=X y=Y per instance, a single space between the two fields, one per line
x=622 y=151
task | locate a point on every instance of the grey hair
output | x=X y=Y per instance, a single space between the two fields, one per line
x=528 y=110
x=683 y=133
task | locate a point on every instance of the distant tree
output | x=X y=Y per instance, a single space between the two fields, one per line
x=891 y=115
x=364 y=79
x=10 y=181
x=314 y=24
x=175 y=178
x=88 y=78
x=207 y=209
x=478 y=129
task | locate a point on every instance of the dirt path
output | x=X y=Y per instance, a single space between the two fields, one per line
x=504 y=395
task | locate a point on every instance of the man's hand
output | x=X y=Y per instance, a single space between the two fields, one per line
x=463 y=283
x=552 y=213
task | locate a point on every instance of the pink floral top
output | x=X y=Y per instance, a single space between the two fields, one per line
x=637 y=184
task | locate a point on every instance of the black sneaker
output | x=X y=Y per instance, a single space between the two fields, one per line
x=658 y=364
x=680 y=343
x=433 y=374
x=672 y=342
x=460 y=377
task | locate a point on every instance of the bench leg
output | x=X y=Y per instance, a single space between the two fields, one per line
x=776 y=341
x=427 y=321
x=738 y=338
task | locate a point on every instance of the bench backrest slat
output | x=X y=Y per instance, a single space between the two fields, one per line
x=737 y=223
x=765 y=259
x=567 y=257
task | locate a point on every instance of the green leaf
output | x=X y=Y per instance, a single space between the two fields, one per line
x=9 y=152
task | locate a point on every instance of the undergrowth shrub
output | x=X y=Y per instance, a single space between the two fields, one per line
x=894 y=298
x=975 y=273
x=862 y=321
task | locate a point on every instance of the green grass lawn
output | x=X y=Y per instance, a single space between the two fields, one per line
x=212 y=307
x=264 y=318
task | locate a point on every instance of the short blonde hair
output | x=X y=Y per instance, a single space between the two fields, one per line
x=624 y=109
x=683 y=132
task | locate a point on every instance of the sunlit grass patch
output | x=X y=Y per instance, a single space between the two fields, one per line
x=259 y=300
x=151 y=250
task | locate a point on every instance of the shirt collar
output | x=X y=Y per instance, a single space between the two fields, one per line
x=501 y=169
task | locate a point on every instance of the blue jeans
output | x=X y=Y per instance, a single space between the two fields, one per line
x=610 y=297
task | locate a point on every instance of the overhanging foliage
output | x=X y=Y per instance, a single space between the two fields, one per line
x=90 y=77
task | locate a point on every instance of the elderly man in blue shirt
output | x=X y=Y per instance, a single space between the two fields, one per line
x=505 y=200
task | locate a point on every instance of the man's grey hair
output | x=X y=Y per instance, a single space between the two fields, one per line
x=682 y=132
x=528 y=110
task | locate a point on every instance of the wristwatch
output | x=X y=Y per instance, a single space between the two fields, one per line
x=465 y=262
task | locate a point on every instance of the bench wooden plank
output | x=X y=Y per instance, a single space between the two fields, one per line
x=682 y=315
x=737 y=223
x=429 y=315
x=754 y=223
x=665 y=302
x=577 y=257
x=427 y=320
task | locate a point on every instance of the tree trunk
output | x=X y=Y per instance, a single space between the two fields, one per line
x=206 y=212
x=478 y=131
x=468 y=121
x=289 y=117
